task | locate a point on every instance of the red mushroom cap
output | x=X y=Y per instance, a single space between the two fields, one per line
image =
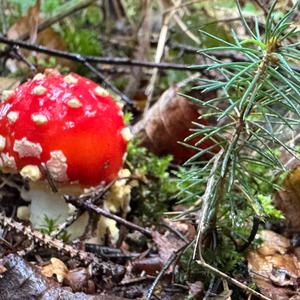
x=69 y=123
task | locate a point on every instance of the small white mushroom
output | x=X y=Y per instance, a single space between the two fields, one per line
x=23 y=213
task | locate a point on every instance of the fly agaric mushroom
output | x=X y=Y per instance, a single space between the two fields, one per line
x=65 y=126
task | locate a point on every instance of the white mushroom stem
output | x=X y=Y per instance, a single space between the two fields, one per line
x=47 y=204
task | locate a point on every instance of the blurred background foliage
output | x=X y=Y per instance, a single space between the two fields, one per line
x=115 y=29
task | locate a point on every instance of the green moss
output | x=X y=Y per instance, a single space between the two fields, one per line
x=157 y=186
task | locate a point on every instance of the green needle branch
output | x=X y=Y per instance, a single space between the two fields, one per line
x=257 y=108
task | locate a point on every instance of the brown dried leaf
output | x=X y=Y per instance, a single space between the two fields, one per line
x=167 y=244
x=274 y=243
x=167 y=122
x=274 y=271
x=27 y=24
x=77 y=279
x=196 y=290
x=56 y=267
x=288 y=201
x=2 y=269
x=185 y=227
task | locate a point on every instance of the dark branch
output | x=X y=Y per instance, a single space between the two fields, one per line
x=88 y=205
x=96 y=59
x=232 y=55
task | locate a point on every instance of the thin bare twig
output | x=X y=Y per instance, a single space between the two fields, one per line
x=71 y=56
x=107 y=83
x=69 y=221
x=88 y=205
x=126 y=61
x=202 y=226
x=45 y=239
x=19 y=56
x=232 y=280
x=159 y=54
x=166 y=266
x=175 y=231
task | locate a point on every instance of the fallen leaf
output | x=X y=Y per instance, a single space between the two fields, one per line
x=288 y=201
x=24 y=281
x=275 y=271
x=47 y=37
x=2 y=269
x=77 y=279
x=196 y=290
x=185 y=227
x=167 y=245
x=273 y=243
x=168 y=121
x=56 y=267
x=27 y=24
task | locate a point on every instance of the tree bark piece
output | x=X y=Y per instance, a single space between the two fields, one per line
x=22 y=281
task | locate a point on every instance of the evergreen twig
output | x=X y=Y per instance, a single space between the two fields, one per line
x=256 y=109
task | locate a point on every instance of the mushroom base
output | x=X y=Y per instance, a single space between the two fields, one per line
x=47 y=205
